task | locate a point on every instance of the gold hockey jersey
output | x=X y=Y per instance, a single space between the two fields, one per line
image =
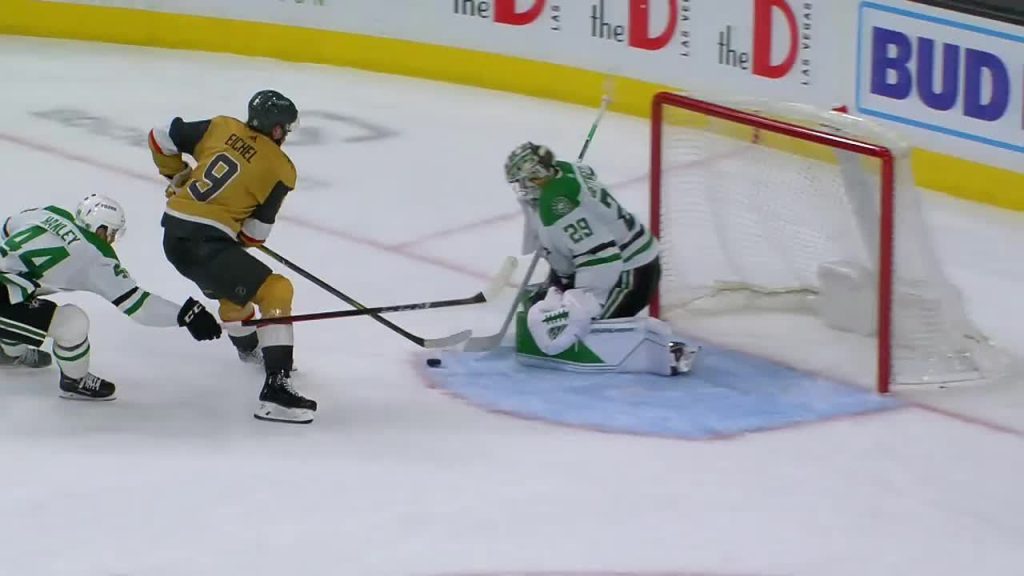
x=238 y=183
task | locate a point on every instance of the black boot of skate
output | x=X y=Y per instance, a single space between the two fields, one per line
x=89 y=387
x=279 y=402
x=29 y=358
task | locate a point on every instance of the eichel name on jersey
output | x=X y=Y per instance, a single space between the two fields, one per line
x=587 y=232
x=241 y=202
x=44 y=247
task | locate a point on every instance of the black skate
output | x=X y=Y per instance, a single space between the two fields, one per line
x=683 y=355
x=30 y=358
x=89 y=387
x=279 y=402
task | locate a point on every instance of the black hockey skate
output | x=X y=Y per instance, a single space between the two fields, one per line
x=30 y=358
x=279 y=402
x=89 y=387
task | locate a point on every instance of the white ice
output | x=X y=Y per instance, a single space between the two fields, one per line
x=176 y=478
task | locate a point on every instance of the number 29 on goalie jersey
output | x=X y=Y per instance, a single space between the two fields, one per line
x=587 y=232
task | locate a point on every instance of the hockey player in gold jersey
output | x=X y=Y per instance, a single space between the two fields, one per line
x=227 y=202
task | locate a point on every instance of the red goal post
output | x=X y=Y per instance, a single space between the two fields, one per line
x=831 y=162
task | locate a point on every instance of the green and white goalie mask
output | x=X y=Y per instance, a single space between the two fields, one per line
x=527 y=167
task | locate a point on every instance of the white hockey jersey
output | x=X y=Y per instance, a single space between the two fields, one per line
x=587 y=233
x=43 y=248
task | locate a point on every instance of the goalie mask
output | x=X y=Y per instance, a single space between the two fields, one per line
x=102 y=216
x=527 y=167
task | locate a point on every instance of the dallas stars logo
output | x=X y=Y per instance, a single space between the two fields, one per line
x=562 y=206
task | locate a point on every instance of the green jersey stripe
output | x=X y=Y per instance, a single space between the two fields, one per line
x=599 y=261
x=16 y=290
x=20 y=328
x=103 y=247
x=602 y=254
x=72 y=354
x=636 y=237
x=641 y=250
x=138 y=304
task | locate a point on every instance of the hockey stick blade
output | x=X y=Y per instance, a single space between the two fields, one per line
x=447 y=341
x=480 y=297
x=492 y=291
x=483 y=343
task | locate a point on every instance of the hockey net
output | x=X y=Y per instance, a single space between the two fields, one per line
x=798 y=235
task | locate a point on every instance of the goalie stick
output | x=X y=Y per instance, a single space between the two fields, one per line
x=430 y=343
x=483 y=343
x=489 y=293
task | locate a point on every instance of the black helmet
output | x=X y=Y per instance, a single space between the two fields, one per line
x=269 y=108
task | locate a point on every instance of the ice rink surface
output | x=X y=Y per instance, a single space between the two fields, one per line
x=401 y=198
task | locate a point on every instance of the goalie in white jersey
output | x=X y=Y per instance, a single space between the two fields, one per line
x=46 y=250
x=605 y=270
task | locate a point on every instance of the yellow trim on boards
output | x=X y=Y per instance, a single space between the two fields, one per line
x=955 y=176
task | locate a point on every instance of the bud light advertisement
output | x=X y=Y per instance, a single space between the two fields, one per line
x=955 y=77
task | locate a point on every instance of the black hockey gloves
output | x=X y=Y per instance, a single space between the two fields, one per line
x=200 y=323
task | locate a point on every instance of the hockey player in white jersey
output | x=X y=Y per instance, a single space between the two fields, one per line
x=46 y=250
x=605 y=270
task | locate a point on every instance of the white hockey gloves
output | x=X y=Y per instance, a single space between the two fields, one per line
x=560 y=320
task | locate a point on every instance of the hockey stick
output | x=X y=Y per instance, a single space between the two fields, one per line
x=490 y=292
x=482 y=343
x=445 y=342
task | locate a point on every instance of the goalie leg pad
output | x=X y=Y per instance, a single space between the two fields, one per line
x=644 y=345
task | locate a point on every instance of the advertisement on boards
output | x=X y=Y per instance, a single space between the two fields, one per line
x=766 y=39
x=604 y=35
x=951 y=75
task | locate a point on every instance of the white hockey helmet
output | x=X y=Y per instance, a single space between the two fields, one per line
x=96 y=211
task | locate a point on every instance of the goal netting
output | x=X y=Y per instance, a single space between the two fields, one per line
x=798 y=235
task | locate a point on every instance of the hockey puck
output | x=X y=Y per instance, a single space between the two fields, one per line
x=433 y=362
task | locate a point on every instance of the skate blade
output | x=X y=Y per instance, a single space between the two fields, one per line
x=81 y=397
x=274 y=413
